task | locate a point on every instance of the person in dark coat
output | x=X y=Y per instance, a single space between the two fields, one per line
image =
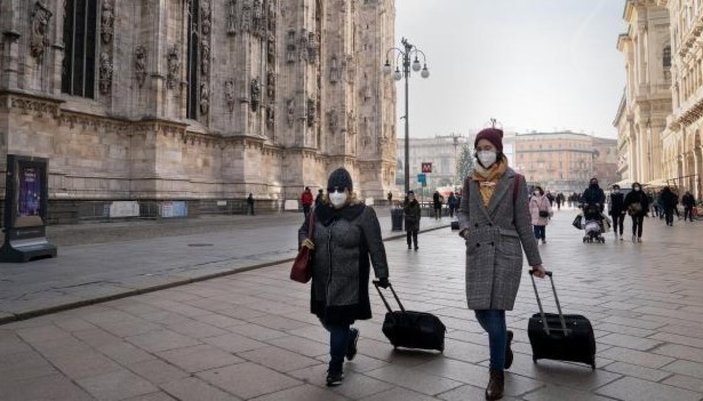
x=250 y=204
x=494 y=221
x=637 y=205
x=452 y=204
x=594 y=195
x=412 y=213
x=347 y=235
x=307 y=200
x=688 y=202
x=668 y=202
x=437 y=204
x=319 y=198
x=617 y=210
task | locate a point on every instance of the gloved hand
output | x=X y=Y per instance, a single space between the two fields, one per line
x=383 y=282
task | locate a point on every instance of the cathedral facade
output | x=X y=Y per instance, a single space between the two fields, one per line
x=197 y=101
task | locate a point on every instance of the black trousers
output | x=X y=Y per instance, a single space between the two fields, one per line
x=618 y=221
x=411 y=237
x=688 y=213
x=637 y=222
x=669 y=216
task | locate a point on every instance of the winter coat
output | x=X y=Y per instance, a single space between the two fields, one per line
x=344 y=240
x=593 y=195
x=688 y=200
x=617 y=204
x=668 y=200
x=412 y=213
x=306 y=198
x=493 y=238
x=452 y=202
x=537 y=204
x=637 y=197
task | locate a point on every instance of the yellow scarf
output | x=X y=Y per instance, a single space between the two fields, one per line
x=488 y=178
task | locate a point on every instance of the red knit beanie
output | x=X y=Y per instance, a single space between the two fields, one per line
x=492 y=135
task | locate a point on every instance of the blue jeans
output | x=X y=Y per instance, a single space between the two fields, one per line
x=493 y=321
x=339 y=341
x=540 y=232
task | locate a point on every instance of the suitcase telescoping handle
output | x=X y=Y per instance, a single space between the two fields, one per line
x=556 y=299
x=388 y=306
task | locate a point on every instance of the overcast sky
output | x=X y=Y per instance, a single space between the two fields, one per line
x=540 y=65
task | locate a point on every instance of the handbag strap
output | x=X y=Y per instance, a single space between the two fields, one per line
x=311 y=225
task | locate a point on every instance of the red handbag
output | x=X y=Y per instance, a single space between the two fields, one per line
x=302 y=266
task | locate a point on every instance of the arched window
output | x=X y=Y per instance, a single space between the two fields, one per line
x=80 y=42
x=666 y=56
x=192 y=61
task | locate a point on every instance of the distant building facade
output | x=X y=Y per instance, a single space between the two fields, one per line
x=197 y=101
x=441 y=151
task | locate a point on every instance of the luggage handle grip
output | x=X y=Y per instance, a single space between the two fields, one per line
x=556 y=300
x=388 y=306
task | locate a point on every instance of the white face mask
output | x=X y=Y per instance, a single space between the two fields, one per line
x=487 y=158
x=636 y=189
x=536 y=193
x=338 y=199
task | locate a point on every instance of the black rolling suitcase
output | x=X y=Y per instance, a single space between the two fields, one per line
x=560 y=337
x=407 y=329
x=455 y=225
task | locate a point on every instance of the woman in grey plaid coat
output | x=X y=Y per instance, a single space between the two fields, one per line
x=494 y=221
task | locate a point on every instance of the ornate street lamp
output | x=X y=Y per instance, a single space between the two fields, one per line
x=406 y=53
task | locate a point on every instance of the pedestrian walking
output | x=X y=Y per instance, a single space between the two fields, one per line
x=437 y=205
x=390 y=198
x=688 y=202
x=668 y=203
x=494 y=220
x=306 y=199
x=452 y=204
x=347 y=234
x=250 y=204
x=540 y=212
x=637 y=205
x=412 y=212
x=616 y=207
x=560 y=200
x=319 y=198
x=594 y=195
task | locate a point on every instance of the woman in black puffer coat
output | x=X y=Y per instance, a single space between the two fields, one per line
x=636 y=204
x=347 y=235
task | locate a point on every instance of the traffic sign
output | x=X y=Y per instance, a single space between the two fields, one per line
x=426 y=167
x=422 y=179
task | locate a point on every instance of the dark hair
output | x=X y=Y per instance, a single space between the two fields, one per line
x=636 y=184
x=538 y=188
x=616 y=186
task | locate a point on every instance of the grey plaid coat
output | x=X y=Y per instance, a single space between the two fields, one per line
x=495 y=237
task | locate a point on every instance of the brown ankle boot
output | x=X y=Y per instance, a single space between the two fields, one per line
x=496 y=383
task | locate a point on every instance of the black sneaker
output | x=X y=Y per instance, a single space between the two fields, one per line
x=508 y=351
x=351 y=348
x=334 y=379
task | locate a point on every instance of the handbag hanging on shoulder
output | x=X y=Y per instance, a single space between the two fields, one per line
x=302 y=266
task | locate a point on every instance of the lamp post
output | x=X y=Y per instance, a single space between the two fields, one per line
x=407 y=51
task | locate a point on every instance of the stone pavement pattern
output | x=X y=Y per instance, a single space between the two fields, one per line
x=119 y=258
x=249 y=336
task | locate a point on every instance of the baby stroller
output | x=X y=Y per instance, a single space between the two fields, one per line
x=593 y=225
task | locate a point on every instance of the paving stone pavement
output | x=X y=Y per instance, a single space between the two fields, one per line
x=249 y=336
x=107 y=260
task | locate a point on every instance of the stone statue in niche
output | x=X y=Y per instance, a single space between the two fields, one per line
x=204 y=58
x=105 y=73
x=270 y=116
x=140 y=64
x=204 y=98
x=304 y=45
x=205 y=17
x=350 y=67
x=271 y=15
x=271 y=48
x=255 y=94
x=351 y=122
x=290 y=111
x=312 y=47
x=291 y=47
x=245 y=23
x=232 y=17
x=174 y=64
x=229 y=94
x=107 y=19
x=257 y=17
x=39 y=40
x=271 y=85
x=311 y=112
x=332 y=120
x=335 y=75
